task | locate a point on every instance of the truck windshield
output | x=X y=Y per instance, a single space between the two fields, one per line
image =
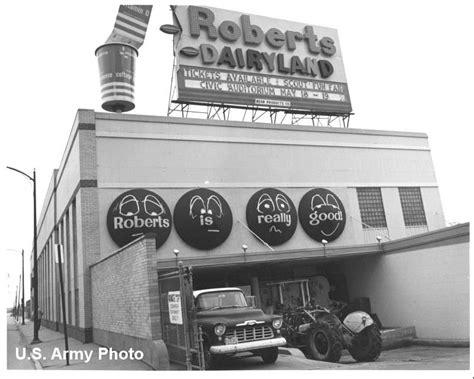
x=215 y=300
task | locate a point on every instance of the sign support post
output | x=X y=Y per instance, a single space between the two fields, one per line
x=60 y=260
x=184 y=311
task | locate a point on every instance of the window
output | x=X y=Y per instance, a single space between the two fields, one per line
x=224 y=299
x=412 y=206
x=371 y=207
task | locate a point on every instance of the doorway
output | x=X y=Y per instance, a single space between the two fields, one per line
x=282 y=296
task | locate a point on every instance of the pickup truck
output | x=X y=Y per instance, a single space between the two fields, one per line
x=230 y=326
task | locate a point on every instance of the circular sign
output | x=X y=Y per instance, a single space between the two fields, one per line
x=137 y=212
x=202 y=218
x=271 y=215
x=322 y=215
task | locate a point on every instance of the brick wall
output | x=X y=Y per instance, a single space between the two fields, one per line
x=125 y=301
x=88 y=222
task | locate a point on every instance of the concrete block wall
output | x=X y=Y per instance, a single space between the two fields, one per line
x=421 y=281
x=433 y=208
x=171 y=156
x=125 y=301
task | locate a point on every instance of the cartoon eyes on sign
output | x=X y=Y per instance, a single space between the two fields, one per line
x=137 y=212
x=212 y=208
x=203 y=218
x=282 y=203
x=266 y=204
x=271 y=216
x=322 y=215
x=130 y=206
x=153 y=206
x=207 y=212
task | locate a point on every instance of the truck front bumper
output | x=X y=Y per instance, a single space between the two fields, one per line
x=247 y=346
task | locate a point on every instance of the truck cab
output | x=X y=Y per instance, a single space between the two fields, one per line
x=231 y=326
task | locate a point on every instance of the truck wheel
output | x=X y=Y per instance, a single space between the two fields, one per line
x=270 y=355
x=366 y=345
x=324 y=344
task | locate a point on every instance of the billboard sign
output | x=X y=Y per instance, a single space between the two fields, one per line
x=231 y=58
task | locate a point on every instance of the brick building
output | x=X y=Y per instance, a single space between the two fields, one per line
x=292 y=204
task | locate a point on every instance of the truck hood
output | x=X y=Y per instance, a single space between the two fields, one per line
x=232 y=316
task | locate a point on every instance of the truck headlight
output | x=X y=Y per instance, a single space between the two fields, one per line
x=219 y=329
x=277 y=323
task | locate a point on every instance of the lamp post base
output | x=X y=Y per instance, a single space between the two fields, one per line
x=35 y=341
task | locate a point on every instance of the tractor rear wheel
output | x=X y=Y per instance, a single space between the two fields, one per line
x=324 y=343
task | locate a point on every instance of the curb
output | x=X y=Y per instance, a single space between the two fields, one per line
x=37 y=363
x=440 y=343
x=394 y=345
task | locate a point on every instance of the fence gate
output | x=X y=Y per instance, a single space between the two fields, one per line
x=180 y=331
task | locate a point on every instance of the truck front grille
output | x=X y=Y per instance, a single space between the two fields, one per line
x=251 y=333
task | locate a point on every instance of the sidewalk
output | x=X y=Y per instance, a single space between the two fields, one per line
x=49 y=354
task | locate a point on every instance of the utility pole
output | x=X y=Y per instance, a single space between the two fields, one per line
x=22 y=287
x=22 y=284
x=35 y=256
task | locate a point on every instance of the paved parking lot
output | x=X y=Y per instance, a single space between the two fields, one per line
x=407 y=358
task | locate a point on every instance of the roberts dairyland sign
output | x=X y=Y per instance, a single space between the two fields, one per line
x=230 y=58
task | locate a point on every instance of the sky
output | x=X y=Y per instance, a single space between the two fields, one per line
x=408 y=66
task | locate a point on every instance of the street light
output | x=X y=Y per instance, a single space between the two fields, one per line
x=22 y=284
x=35 y=256
x=379 y=241
x=324 y=242
x=176 y=253
x=244 y=249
